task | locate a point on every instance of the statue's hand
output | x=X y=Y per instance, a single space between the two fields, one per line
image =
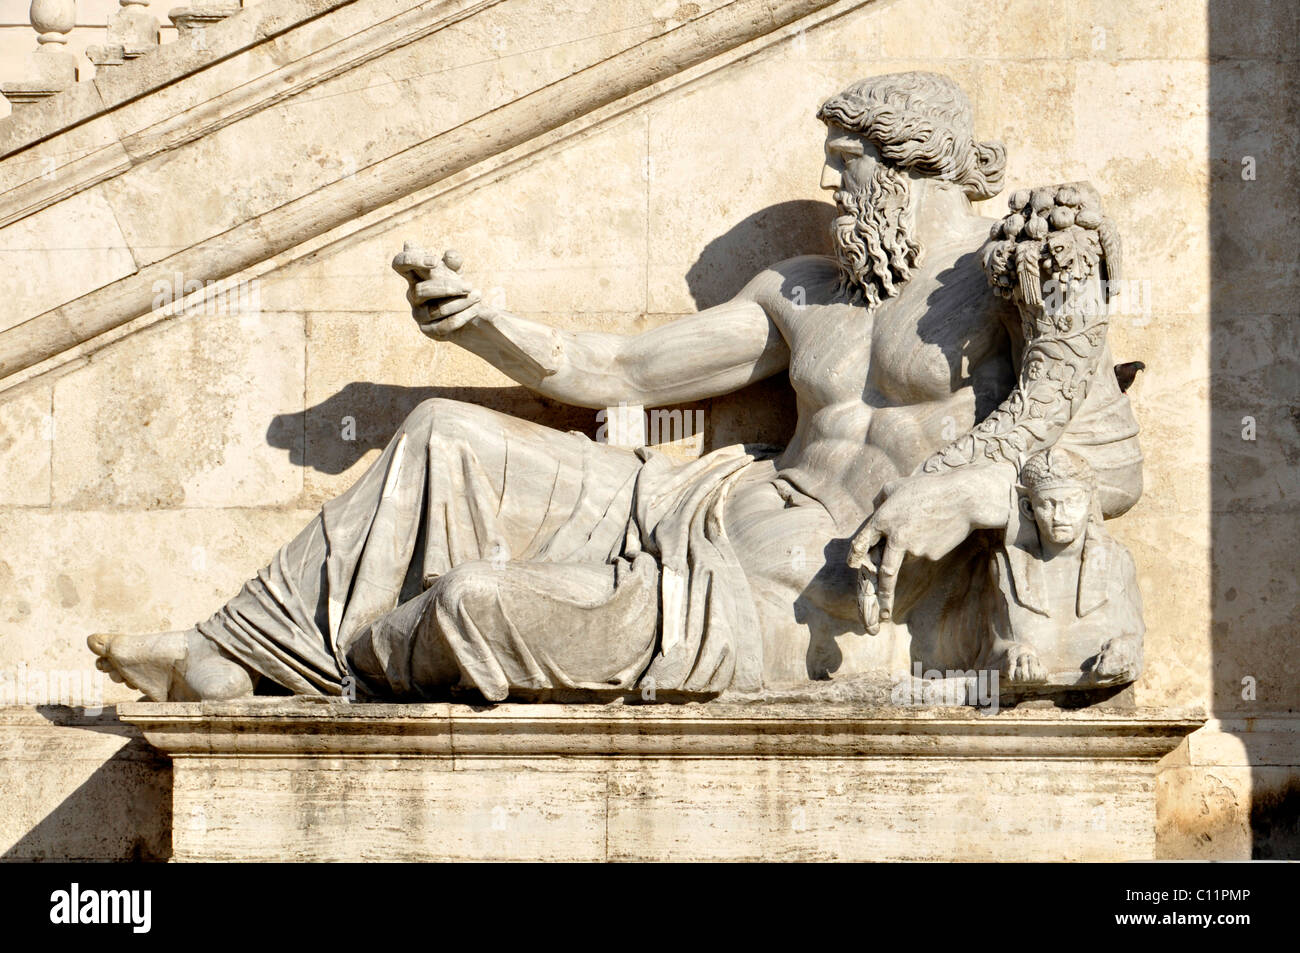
x=927 y=515
x=442 y=302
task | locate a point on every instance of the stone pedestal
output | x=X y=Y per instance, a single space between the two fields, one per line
x=278 y=779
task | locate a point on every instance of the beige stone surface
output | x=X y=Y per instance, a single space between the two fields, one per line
x=65 y=573
x=330 y=781
x=26 y=441
x=1230 y=792
x=639 y=218
x=34 y=253
x=182 y=419
x=80 y=787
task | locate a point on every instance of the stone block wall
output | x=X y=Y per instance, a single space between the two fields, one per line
x=141 y=484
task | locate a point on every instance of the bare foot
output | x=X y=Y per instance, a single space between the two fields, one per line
x=1120 y=660
x=147 y=663
x=171 y=666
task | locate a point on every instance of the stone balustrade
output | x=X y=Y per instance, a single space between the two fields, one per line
x=131 y=32
x=51 y=67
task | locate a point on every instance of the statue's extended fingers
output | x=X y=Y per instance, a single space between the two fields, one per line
x=455 y=306
x=860 y=548
x=458 y=321
x=442 y=327
x=444 y=285
x=887 y=577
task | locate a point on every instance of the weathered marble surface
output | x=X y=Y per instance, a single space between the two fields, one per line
x=323 y=780
x=1202 y=87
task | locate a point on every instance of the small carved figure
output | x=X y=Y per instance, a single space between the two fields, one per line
x=1069 y=612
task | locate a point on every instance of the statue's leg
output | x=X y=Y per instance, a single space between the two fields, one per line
x=457 y=483
x=518 y=629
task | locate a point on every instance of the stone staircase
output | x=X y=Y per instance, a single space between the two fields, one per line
x=202 y=160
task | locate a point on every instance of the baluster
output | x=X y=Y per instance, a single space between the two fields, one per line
x=132 y=32
x=54 y=69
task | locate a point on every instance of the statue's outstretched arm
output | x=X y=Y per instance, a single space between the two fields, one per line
x=692 y=358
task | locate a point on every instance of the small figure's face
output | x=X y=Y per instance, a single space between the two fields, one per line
x=1061 y=512
x=851 y=160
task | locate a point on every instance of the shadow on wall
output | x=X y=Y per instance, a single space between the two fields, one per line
x=122 y=811
x=1255 y=393
x=778 y=232
x=333 y=435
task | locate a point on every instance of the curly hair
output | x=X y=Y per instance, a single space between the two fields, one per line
x=921 y=121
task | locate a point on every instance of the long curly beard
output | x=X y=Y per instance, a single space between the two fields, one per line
x=873 y=237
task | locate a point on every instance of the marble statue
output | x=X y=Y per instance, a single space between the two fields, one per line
x=489 y=554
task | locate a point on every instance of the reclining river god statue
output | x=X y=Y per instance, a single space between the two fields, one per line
x=930 y=362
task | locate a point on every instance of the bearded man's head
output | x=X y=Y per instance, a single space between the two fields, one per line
x=920 y=123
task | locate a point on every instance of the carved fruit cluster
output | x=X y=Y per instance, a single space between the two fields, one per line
x=1055 y=234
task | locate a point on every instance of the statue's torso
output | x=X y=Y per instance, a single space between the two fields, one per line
x=878 y=391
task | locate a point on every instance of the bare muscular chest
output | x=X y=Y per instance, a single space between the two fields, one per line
x=916 y=348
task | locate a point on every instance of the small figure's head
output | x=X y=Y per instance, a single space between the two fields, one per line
x=881 y=132
x=1061 y=489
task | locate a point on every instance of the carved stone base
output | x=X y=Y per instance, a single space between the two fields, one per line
x=116 y=54
x=279 y=779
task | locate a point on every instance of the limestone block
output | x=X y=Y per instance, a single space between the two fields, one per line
x=26 y=439
x=1256 y=611
x=1156 y=110
x=581 y=254
x=1203 y=814
x=1256 y=438
x=65 y=573
x=1171 y=400
x=1037 y=122
x=1174 y=578
x=317 y=137
x=1253 y=28
x=80 y=787
x=709 y=234
x=40 y=172
x=272 y=779
x=945 y=30
x=1233 y=795
x=1143 y=30
x=183 y=422
x=40 y=250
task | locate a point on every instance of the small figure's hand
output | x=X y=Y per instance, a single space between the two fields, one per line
x=442 y=302
x=1119 y=661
